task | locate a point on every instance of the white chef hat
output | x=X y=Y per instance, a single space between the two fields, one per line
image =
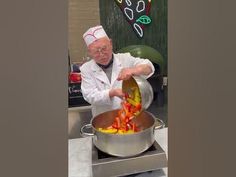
x=93 y=34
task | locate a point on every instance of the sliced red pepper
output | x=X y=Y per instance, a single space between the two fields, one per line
x=129 y=126
x=138 y=106
x=123 y=121
x=133 y=126
x=114 y=125
x=129 y=114
x=126 y=95
x=117 y=119
x=110 y=127
x=126 y=127
x=126 y=120
x=127 y=106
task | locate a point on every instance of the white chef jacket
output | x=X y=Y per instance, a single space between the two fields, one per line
x=95 y=84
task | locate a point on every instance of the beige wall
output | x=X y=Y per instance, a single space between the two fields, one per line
x=82 y=15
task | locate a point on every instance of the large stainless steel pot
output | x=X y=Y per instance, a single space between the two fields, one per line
x=123 y=145
x=144 y=87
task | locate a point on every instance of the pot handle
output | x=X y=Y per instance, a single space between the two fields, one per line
x=159 y=124
x=83 y=133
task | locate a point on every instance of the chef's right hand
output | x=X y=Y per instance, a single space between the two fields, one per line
x=116 y=92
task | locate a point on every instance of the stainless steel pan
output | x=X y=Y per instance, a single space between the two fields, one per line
x=144 y=87
x=123 y=145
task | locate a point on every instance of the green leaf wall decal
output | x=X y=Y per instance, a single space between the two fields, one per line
x=144 y=19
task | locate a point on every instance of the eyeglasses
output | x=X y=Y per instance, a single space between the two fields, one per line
x=100 y=50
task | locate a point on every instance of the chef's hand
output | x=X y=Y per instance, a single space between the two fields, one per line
x=125 y=74
x=116 y=92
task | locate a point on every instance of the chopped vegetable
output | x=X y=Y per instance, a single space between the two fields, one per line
x=123 y=123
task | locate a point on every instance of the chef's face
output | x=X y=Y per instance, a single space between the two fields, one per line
x=101 y=51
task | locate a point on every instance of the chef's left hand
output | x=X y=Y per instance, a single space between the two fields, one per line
x=125 y=74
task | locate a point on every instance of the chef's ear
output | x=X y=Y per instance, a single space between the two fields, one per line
x=110 y=41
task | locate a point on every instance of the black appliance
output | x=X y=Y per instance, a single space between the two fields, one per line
x=75 y=97
x=106 y=165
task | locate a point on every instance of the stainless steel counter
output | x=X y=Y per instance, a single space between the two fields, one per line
x=80 y=156
x=77 y=117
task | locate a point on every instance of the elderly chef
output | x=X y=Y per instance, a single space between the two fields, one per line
x=102 y=76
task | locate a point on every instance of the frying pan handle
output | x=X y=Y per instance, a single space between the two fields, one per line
x=87 y=126
x=159 y=124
